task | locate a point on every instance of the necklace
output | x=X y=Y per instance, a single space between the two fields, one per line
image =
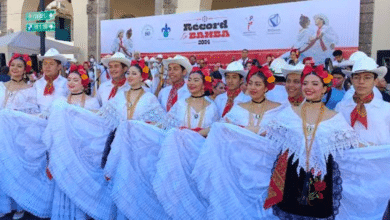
x=132 y=105
x=197 y=97
x=311 y=102
x=253 y=116
x=18 y=81
x=136 y=88
x=308 y=145
x=199 y=115
x=82 y=102
x=77 y=93
x=258 y=102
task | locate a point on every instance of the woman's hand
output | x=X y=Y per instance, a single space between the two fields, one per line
x=204 y=132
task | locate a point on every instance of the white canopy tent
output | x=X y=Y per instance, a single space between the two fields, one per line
x=29 y=43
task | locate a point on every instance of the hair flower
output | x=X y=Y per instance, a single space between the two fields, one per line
x=208 y=78
x=271 y=79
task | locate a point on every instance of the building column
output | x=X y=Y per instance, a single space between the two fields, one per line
x=3 y=17
x=97 y=10
x=366 y=26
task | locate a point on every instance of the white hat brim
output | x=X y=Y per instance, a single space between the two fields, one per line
x=182 y=62
x=58 y=57
x=125 y=61
x=285 y=72
x=380 y=71
x=243 y=73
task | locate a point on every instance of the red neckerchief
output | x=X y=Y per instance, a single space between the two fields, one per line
x=277 y=182
x=197 y=129
x=49 y=88
x=172 y=98
x=296 y=101
x=116 y=84
x=359 y=113
x=231 y=96
x=323 y=47
x=120 y=44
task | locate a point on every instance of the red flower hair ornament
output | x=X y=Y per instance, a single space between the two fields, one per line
x=144 y=67
x=83 y=74
x=270 y=79
x=320 y=72
x=296 y=51
x=208 y=80
x=25 y=58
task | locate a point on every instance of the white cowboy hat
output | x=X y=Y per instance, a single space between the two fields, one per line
x=146 y=59
x=160 y=56
x=53 y=54
x=277 y=65
x=358 y=55
x=235 y=67
x=118 y=57
x=292 y=69
x=152 y=60
x=368 y=65
x=323 y=17
x=181 y=60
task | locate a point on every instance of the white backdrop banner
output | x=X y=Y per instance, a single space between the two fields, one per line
x=314 y=27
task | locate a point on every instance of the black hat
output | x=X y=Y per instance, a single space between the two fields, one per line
x=338 y=70
x=337 y=53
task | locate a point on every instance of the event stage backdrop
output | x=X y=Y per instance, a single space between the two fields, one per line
x=221 y=34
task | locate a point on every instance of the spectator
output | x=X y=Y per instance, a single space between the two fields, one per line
x=4 y=77
x=244 y=57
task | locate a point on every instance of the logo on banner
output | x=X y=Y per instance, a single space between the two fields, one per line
x=249 y=26
x=166 y=30
x=147 y=32
x=205 y=29
x=274 y=20
x=273 y=23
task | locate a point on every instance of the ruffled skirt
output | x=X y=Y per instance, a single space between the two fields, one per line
x=233 y=173
x=131 y=167
x=173 y=184
x=76 y=139
x=23 y=160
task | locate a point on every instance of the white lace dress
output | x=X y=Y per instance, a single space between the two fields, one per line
x=236 y=185
x=131 y=161
x=172 y=183
x=22 y=164
x=24 y=100
x=60 y=136
x=233 y=169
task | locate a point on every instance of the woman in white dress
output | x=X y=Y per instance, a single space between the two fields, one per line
x=72 y=160
x=20 y=96
x=78 y=80
x=133 y=155
x=318 y=173
x=190 y=120
x=223 y=172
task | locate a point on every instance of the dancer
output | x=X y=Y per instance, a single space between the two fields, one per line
x=190 y=120
x=16 y=94
x=235 y=76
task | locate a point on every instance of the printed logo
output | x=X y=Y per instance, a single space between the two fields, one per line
x=249 y=26
x=147 y=32
x=166 y=30
x=250 y=22
x=274 y=20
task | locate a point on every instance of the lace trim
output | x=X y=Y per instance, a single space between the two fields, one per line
x=337 y=196
x=332 y=143
x=155 y=115
x=111 y=115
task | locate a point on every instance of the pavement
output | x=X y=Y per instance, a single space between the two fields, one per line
x=27 y=216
